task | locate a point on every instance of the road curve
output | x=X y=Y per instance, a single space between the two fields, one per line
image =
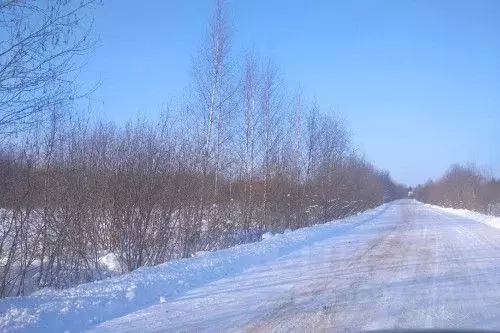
x=411 y=267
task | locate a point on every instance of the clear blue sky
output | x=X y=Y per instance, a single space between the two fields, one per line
x=417 y=81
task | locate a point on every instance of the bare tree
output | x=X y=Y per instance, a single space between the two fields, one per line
x=39 y=58
x=250 y=89
x=211 y=70
x=312 y=139
x=271 y=101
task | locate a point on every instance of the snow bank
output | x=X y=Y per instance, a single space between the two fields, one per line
x=111 y=262
x=267 y=235
x=86 y=305
x=493 y=221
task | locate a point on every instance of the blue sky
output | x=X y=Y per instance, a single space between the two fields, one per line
x=418 y=82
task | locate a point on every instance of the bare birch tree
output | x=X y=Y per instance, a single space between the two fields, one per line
x=312 y=139
x=250 y=89
x=271 y=101
x=211 y=72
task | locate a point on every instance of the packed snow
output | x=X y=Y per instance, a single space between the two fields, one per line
x=400 y=265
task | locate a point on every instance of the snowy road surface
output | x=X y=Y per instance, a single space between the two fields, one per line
x=409 y=266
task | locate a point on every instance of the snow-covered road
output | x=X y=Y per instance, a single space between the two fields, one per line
x=411 y=266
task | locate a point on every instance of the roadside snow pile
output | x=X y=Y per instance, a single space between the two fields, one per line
x=111 y=262
x=267 y=235
x=493 y=221
x=86 y=305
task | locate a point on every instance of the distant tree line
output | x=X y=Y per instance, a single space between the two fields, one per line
x=240 y=157
x=463 y=186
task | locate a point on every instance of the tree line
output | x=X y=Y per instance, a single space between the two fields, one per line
x=239 y=157
x=463 y=186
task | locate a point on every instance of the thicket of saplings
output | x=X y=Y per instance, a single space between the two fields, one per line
x=463 y=186
x=239 y=157
x=149 y=193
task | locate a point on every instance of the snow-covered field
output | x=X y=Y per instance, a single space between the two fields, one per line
x=403 y=264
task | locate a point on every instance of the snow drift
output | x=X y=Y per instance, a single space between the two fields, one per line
x=493 y=221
